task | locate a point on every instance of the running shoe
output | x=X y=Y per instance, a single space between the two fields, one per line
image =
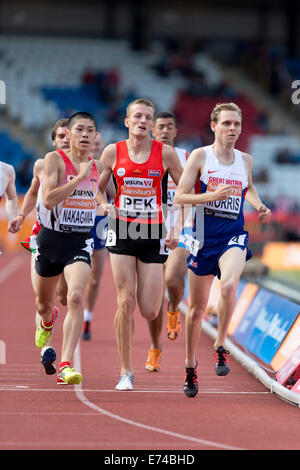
x=86 y=335
x=125 y=382
x=173 y=326
x=152 y=363
x=48 y=356
x=190 y=387
x=43 y=333
x=221 y=360
x=68 y=376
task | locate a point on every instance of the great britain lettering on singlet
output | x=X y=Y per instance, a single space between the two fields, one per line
x=229 y=208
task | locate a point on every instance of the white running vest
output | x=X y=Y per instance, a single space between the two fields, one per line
x=215 y=173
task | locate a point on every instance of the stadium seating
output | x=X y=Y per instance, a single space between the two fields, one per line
x=45 y=80
x=13 y=153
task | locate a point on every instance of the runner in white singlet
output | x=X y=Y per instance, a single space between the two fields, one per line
x=175 y=268
x=225 y=177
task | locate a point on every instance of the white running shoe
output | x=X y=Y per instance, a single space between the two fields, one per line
x=125 y=382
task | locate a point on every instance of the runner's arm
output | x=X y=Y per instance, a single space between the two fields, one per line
x=184 y=193
x=252 y=196
x=52 y=193
x=172 y=163
x=11 y=198
x=108 y=159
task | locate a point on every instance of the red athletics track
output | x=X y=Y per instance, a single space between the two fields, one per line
x=229 y=413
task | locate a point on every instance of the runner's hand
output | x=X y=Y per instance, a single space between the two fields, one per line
x=107 y=209
x=85 y=169
x=264 y=212
x=222 y=192
x=15 y=225
x=171 y=242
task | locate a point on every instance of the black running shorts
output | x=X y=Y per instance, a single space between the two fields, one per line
x=55 y=250
x=145 y=243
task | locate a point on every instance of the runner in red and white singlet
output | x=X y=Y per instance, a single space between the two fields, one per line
x=137 y=237
x=66 y=211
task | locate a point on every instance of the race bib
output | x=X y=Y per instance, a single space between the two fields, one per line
x=138 y=202
x=78 y=213
x=164 y=250
x=229 y=208
x=194 y=247
x=238 y=240
x=111 y=238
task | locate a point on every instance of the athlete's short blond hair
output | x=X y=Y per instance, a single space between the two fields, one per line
x=139 y=101
x=215 y=114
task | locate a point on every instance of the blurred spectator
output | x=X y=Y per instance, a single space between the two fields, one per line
x=286 y=156
x=24 y=172
x=261 y=175
x=89 y=76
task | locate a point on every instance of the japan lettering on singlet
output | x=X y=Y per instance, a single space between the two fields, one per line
x=77 y=212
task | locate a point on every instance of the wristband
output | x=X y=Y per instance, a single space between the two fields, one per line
x=21 y=215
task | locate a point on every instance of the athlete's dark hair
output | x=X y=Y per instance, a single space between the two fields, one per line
x=81 y=115
x=165 y=115
x=60 y=123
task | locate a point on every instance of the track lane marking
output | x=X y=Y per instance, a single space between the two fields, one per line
x=83 y=399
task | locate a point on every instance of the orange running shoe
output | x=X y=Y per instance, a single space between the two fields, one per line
x=173 y=326
x=152 y=363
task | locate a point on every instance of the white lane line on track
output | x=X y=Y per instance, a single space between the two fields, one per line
x=11 y=267
x=80 y=395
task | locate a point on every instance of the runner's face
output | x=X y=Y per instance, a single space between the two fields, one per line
x=98 y=146
x=62 y=140
x=228 y=127
x=82 y=134
x=140 y=120
x=165 y=130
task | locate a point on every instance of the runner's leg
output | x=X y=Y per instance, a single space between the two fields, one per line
x=124 y=273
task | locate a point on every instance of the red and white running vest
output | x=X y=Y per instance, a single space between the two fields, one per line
x=77 y=212
x=140 y=190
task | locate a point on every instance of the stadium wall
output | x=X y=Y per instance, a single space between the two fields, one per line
x=116 y=18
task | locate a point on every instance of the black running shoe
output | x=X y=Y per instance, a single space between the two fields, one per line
x=86 y=335
x=190 y=387
x=221 y=360
x=48 y=356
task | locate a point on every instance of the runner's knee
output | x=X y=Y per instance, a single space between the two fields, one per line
x=149 y=313
x=75 y=298
x=43 y=306
x=126 y=303
x=94 y=282
x=196 y=312
x=227 y=288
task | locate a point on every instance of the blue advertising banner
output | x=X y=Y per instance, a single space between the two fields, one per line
x=265 y=324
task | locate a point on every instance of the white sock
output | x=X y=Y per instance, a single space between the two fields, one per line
x=88 y=316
